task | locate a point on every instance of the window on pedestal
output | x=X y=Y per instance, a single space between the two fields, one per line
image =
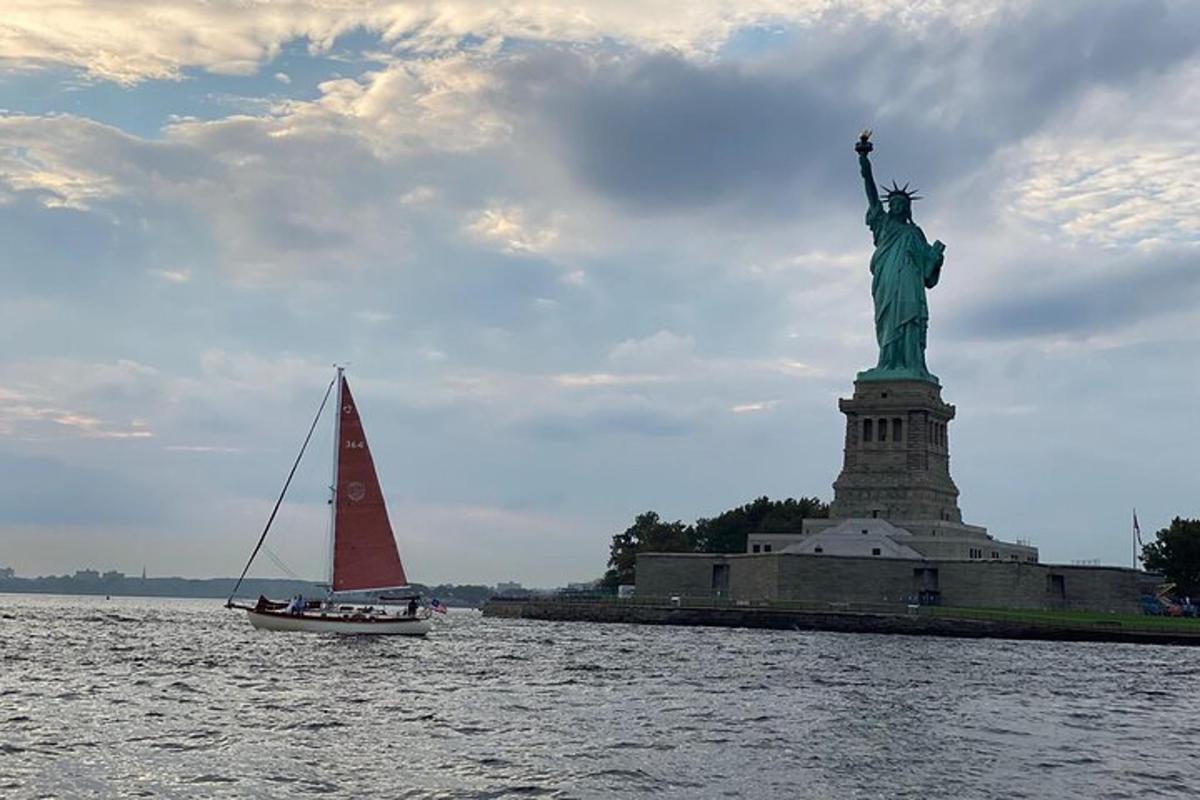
x=897 y=429
x=883 y=430
x=868 y=426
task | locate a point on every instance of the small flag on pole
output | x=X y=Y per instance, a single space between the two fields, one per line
x=438 y=606
x=1137 y=540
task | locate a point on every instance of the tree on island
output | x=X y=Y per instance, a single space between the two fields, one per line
x=725 y=533
x=1176 y=554
x=647 y=534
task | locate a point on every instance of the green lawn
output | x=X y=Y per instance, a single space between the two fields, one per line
x=1081 y=619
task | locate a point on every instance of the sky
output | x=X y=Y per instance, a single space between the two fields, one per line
x=582 y=260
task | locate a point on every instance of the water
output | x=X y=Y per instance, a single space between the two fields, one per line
x=133 y=697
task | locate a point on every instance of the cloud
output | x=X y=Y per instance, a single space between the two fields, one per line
x=602 y=422
x=664 y=133
x=755 y=408
x=172 y=275
x=660 y=132
x=1112 y=193
x=46 y=491
x=116 y=40
x=64 y=397
x=599 y=379
x=74 y=162
x=663 y=349
x=93 y=428
x=437 y=103
x=402 y=146
x=1095 y=302
x=510 y=229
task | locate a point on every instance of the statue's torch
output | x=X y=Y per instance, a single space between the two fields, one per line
x=863 y=145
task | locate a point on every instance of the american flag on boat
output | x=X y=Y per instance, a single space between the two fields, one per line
x=438 y=606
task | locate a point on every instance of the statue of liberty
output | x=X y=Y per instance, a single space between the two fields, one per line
x=903 y=267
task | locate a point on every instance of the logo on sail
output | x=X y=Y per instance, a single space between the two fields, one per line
x=355 y=491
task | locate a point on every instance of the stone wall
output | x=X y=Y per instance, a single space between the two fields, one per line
x=849 y=579
x=670 y=574
x=837 y=579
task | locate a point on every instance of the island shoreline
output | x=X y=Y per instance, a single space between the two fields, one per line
x=918 y=621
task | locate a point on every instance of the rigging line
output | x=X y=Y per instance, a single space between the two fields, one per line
x=278 y=562
x=275 y=559
x=286 y=484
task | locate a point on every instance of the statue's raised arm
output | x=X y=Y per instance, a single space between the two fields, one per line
x=863 y=147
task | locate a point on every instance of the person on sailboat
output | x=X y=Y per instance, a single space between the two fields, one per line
x=297 y=605
x=412 y=606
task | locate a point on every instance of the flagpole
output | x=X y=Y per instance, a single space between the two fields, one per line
x=1137 y=538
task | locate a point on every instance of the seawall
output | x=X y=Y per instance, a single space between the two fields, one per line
x=902 y=621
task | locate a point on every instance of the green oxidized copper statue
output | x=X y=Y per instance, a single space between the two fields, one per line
x=903 y=267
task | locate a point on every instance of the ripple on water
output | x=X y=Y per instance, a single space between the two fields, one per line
x=180 y=698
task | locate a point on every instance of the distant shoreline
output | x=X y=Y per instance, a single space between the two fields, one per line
x=201 y=588
x=116 y=585
x=102 y=597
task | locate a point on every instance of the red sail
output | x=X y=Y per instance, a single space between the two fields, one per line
x=364 y=549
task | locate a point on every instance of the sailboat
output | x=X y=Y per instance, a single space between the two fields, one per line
x=363 y=556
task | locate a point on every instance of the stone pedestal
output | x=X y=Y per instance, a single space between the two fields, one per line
x=897 y=454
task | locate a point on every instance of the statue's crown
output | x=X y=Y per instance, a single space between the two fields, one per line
x=899 y=191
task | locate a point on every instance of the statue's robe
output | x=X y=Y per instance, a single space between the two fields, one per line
x=903 y=267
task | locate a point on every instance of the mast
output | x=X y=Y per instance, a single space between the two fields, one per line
x=337 y=441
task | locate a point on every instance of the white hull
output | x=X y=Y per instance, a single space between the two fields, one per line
x=308 y=623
